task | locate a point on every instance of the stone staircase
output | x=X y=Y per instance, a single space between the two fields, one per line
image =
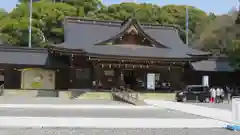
x=127 y=95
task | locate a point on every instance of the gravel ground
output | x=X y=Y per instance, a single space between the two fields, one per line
x=224 y=106
x=81 y=131
x=38 y=100
x=98 y=113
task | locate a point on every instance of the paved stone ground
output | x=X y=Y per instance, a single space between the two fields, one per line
x=215 y=113
x=82 y=131
x=98 y=113
x=51 y=100
x=224 y=106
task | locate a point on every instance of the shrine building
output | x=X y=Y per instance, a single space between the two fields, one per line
x=105 y=54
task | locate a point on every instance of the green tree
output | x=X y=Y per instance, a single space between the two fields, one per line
x=48 y=16
x=51 y=17
x=48 y=20
x=150 y=13
x=85 y=6
x=15 y=32
x=197 y=17
x=234 y=54
x=3 y=13
x=218 y=34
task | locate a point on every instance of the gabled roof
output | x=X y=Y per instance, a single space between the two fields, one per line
x=129 y=24
x=84 y=34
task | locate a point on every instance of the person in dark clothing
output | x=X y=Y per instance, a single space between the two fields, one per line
x=229 y=94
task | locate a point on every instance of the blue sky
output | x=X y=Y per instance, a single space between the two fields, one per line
x=215 y=6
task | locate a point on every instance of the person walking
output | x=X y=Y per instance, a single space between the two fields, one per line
x=211 y=98
x=213 y=94
x=218 y=95
x=222 y=95
x=229 y=93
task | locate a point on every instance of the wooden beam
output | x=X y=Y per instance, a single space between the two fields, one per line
x=138 y=62
x=135 y=66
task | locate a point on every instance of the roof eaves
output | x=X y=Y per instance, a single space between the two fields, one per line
x=22 y=49
x=138 y=57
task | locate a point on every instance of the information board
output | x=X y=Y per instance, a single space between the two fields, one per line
x=37 y=78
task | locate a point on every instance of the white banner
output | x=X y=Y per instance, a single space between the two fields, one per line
x=37 y=78
x=205 y=80
x=151 y=81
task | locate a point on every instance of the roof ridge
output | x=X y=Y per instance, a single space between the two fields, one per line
x=77 y=19
x=155 y=25
x=173 y=26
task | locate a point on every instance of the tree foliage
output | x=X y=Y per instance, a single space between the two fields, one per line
x=234 y=54
x=207 y=32
x=48 y=16
x=3 y=13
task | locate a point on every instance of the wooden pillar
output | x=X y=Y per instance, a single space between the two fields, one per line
x=97 y=75
x=120 y=78
x=72 y=75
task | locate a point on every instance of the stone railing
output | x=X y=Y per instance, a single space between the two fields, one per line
x=127 y=95
x=1 y=89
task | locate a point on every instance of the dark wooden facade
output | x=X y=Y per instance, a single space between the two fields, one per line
x=98 y=72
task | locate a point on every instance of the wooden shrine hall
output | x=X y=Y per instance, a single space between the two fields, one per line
x=105 y=54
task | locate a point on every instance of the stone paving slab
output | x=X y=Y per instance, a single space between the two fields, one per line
x=52 y=100
x=26 y=122
x=98 y=113
x=224 y=106
x=214 y=113
x=115 y=131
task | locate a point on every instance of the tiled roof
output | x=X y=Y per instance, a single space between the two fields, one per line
x=131 y=50
x=83 y=34
x=213 y=65
x=24 y=56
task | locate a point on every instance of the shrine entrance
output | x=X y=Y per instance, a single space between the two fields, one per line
x=130 y=78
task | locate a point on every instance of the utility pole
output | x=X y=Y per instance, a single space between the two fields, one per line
x=30 y=25
x=237 y=21
x=187 y=25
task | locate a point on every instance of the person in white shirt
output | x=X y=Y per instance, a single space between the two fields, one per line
x=213 y=94
x=218 y=95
